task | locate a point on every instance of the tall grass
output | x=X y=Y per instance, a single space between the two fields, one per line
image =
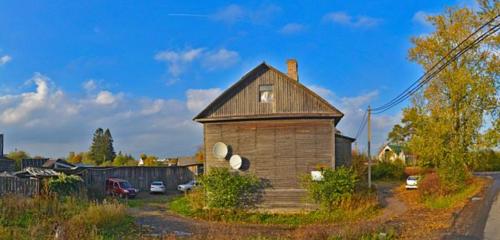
x=45 y=217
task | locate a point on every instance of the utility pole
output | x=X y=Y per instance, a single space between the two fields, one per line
x=369 y=143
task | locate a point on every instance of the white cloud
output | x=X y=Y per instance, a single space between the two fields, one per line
x=292 y=28
x=420 y=17
x=354 y=108
x=46 y=121
x=230 y=14
x=343 y=18
x=106 y=98
x=220 y=59
x=235 y=13
x=5 y=59
x=198 y=99
x=179 y=61
x=90 y=85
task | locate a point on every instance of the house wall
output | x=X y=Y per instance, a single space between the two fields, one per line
x=277 y=150
x=343 y=151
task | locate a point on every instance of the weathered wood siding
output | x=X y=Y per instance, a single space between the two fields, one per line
x=21 y=186
x=280 y=151
x=343 y=153
x=290 y=98
x=7 y=166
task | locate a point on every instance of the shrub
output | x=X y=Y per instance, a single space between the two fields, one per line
x=430 y=185
x=228 y=190
x=336 y=186
x=65 y=185
x=388 y=171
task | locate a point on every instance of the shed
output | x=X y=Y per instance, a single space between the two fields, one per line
x=280 y=128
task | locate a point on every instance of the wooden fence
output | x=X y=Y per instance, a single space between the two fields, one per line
x=95 y=179
x=139 y=177
x=22 y=186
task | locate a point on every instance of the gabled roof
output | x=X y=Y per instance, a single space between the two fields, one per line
x=327 y=110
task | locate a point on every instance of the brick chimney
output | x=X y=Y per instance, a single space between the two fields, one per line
x=1 y=144
x=293 y=69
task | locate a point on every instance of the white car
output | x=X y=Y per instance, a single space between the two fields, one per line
x=157 y=187
x=187 y=186
x=412 y=182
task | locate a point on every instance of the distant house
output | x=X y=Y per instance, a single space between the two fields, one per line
x=58 y=164
x=33 y=162
x=191 y=163
x=393 y=152
x=281 y=129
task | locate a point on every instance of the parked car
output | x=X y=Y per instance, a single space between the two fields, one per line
x=121 y=188
x=187 y=186
x=157 y=187
x=412 y=182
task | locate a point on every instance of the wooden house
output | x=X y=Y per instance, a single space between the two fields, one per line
x=281 y=129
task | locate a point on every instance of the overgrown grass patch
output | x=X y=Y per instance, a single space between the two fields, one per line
x=362 y=209
x=450 y=200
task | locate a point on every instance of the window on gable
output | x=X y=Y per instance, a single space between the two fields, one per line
x=266 y=94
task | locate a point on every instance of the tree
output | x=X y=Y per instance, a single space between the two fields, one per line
x=124 y=160
x=200 y=154
x=149 y=160
x=102 y=149
x=18 y=156
x=448 y=114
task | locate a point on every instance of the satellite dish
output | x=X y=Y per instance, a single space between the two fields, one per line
x=220 y=150
x=235 y=162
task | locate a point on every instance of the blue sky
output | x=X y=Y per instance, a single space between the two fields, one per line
x=145 y=69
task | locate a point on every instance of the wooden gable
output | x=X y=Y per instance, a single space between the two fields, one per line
x=291 y=99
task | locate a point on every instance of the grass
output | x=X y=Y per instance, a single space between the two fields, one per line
x=448 y=201
x=182 y=206
x=74 y=218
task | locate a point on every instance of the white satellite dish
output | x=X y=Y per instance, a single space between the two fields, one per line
x=220 y=150
x=235 y=162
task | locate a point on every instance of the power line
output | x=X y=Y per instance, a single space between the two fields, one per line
x=433 y=74
x=362 y=126
x=426 y=77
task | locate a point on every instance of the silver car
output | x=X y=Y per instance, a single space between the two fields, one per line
x=187 y=186
x=157 y=187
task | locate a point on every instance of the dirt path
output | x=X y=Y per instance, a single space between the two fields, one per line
x=393 y=207
x=155 y=218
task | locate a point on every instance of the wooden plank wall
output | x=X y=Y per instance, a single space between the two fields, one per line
x=343 y=153
x=289 y=98
x=278 y=150
x=139 y=177
x=21 y=186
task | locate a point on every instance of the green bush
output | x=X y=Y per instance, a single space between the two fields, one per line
x=487 y=160
x=228 y=190
x=65 y=185
x=388 y=171
x=336 y=186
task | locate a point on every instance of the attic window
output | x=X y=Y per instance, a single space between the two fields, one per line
x=266 y=94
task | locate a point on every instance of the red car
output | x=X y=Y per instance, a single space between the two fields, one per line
x=120 y=187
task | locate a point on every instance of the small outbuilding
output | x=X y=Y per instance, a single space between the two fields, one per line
x=280 y=129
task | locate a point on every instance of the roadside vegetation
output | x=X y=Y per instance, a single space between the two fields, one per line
x=339 y=196
x=63 y=211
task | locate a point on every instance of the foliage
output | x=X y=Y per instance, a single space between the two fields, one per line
x=359 y=206
x=387 y=170
x=337 y=185
x=229 y=190
x=149 y=160
x=18 y=156
x=102 y=149
x=487 y=160
x=359 y=161
x=200 y=154
x=449 y=200
x=124 y=160
x=400 y=134
x=73 y=218
x=447 y=116
x=65 y=185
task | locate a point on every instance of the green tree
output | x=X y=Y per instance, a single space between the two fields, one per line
x=124 y=160
x=102 y=149
x=448 y=114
